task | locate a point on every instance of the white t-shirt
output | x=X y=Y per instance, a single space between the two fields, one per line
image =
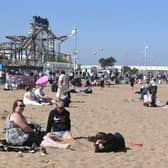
x=61 y=80
x=39 y=92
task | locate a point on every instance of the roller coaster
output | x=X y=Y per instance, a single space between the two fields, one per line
x=39 y=47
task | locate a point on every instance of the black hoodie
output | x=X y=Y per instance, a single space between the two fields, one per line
x=59 y=121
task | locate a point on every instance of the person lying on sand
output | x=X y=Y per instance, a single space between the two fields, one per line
x=108 y=142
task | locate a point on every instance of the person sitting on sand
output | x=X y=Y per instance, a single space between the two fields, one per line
x=153 y=91
x=41 y=96
x=7 y=86
x=29 y=97
x=58 y=126
x=18 y=131
x=150 y=98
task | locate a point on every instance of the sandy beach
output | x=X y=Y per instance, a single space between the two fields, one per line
x=112 y=109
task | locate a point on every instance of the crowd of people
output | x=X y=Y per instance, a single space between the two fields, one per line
x=19 y=131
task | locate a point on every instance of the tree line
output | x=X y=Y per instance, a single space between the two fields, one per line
x=110 y=61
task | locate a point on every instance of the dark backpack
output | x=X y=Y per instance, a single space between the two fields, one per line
x=66 y=101
x=88 y=90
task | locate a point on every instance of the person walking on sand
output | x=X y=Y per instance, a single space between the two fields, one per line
x=63 y=84
x=132 y=82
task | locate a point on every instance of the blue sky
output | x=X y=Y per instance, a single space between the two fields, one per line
x=121 y=27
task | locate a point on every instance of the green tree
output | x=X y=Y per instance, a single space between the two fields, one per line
x=110 y=61
x=135 y=71
x=127 y=69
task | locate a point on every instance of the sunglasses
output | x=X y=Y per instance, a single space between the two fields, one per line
x=21 y=105
x=61 y=108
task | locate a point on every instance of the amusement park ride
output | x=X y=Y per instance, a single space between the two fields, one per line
x=39 y=47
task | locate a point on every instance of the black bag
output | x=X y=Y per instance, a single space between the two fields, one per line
x=66 y=101
x=109 y=142
x=88 y=90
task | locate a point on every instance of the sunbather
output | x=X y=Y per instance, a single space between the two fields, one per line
x=30 y=98
x=18 y=130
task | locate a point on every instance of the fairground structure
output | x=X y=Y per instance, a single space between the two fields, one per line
x=35 y=50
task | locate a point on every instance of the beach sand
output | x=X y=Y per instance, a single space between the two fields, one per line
x=111 y=109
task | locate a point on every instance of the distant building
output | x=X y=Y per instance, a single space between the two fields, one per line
x=140 y=68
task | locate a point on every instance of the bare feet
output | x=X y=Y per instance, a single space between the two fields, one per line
x=70 y=148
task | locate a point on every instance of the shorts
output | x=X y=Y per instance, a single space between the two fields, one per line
x=59 y=133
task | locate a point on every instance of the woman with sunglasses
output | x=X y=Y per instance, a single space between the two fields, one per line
x=18 y=130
